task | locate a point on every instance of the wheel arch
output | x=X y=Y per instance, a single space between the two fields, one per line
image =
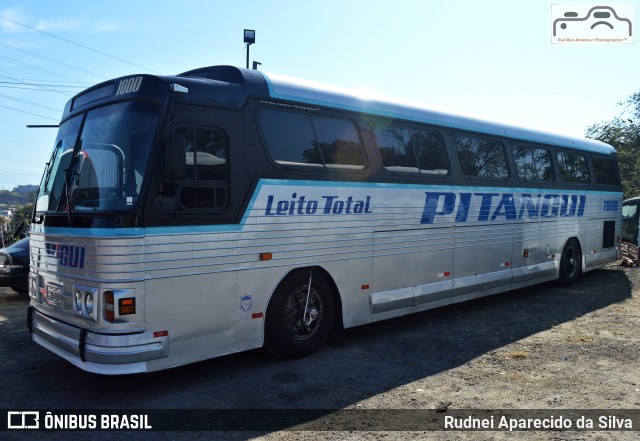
x=317 y=269
x=582 y=256
x=564 y=278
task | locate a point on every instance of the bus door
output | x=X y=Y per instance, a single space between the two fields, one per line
x=203 y=168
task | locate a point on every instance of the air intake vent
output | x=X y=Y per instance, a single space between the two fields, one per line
x=227 y=74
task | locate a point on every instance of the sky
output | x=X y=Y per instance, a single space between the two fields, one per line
x=493 y=59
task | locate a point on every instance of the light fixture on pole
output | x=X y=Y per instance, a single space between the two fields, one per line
x=249 y=38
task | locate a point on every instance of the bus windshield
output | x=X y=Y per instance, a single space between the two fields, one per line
x=98 y=163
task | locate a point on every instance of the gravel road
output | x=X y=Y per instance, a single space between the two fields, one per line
x=546 y=347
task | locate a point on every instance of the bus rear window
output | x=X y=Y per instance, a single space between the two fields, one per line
x=606 y=171
x=299 y=139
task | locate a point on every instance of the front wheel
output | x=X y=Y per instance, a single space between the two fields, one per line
x=20 y=289
x=300 y=315
x=570 y=263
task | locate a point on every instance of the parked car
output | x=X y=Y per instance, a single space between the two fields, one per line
x=14 y=266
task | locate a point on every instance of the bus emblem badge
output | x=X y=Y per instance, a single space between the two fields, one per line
x=246 y=303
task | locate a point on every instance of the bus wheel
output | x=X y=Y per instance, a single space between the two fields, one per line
x=300 y=315
x=570 y=263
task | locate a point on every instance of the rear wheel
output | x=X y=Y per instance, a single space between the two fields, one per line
x=570 y=263
x=300 y=315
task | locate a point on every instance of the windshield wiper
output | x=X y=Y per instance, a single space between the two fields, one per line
x=70 y=175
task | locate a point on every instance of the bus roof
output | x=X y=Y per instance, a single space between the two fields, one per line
x=252 y=83
x=308 y=92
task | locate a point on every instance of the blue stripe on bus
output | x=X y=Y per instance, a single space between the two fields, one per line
x=185 y=229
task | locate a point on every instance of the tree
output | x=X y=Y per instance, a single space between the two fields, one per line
x=623 y=133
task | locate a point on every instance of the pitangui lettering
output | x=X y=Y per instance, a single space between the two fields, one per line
x=481 y=207
x=66 y=255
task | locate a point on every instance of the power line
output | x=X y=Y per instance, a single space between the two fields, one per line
x=20 y=160
x=29 y=102
x=41 y=89
x=40 y=85
x=40 y=69
x=51 y=60
x=76 y=44
x=19 y=81
x=29 y=113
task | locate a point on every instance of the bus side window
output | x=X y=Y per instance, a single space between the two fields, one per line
x=204 y=185
x=533 y=164
x=573 y=168
x=605 y=170
x=414 y=151
x=338 y=141
x=481 y=158
x=299 y=139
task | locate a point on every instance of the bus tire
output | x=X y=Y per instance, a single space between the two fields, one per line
x=290 y=332
x=570 y=263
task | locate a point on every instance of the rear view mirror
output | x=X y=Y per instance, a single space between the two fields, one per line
x=175 y=157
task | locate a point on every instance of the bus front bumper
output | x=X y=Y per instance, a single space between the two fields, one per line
x=108 y=354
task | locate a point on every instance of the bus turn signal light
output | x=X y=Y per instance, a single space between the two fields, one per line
x=127 y=306
x=109 y=308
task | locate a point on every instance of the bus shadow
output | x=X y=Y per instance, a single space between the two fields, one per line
x=373 y=359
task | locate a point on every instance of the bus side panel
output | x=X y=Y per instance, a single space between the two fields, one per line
x=405 y=260
x=531 y=262
x=483 y=256
x=204 y=319
x=599 y=239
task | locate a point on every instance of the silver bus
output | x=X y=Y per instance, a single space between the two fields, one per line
x=186 y=217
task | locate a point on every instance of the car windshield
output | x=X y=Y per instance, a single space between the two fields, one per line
x=98 y=164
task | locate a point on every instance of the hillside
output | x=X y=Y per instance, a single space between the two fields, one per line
x=10 y=199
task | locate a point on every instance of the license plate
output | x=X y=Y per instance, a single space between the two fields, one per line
x=54 y=295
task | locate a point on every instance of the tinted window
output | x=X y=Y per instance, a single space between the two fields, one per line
x=409 y=150
x=481 y=158
x=338 y=141
x=533 y=164
x=606 y=171
x=205 y=184
x=395 y=148
x=316 y=140
x=573 y=168
x=289 y=137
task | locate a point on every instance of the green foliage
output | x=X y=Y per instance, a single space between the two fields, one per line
x=623 y=133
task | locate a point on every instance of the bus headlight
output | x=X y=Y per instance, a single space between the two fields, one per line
x=84 y=298
x=88 y=303
x=77 y=301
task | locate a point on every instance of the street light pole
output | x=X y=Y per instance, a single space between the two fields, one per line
x=249 y=38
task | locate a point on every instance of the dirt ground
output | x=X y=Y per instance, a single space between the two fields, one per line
x=546 y=347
